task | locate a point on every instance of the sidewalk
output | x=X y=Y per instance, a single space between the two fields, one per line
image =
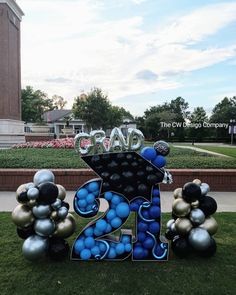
x=226 y=201
x=197 y=149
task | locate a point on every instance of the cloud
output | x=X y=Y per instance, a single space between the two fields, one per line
x=71 y=46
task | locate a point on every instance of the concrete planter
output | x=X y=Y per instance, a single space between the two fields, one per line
x=40 y=129
x=67 y=131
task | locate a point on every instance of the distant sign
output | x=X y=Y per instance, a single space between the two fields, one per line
x=232 y=129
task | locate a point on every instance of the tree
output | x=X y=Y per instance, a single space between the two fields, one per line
x=96 y=110
x=198 y=116
x=58 y=102
x=34 y=104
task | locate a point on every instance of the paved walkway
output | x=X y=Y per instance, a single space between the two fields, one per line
x=226 y=201
x=201 y=150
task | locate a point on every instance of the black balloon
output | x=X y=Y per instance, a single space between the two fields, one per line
x=135 y=164
x=105 y=175
x=152 y=179
x=128 y=176
x=181 y=247
x=58 y=248
x=169 y=234
x=130 y=157
x=25 y=232
x=191 y=192
x=48 y=193
x=149 y=169
x=208 y=205
x=129 y=190
x=22 y=197
x=140 y=174
x=210 y=251
x=124 y=165
x=162 y=148
x=106 y=186
x=142 y=189
x=95 y=159
x=65 y=204
x=112 y=165
x=115 y=179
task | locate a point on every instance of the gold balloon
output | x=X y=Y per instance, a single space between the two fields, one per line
x=195 y=204
x=61 y=192
x=20 y=189
x=178 y=193
x=197 y=181
x=22 y=216
x=31 y=203
x=180 y=207
x=183 y=226
x=54 y=215
x=66 y=227
x=210 y=225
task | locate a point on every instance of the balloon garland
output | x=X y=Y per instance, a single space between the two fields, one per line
x=192 y=226
x=42 y=218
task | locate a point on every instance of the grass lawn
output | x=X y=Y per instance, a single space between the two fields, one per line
x=66 y=158
x=228 y=151
x=177 y=276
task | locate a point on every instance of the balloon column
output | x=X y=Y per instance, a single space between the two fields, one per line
x=42 y=218
x=192 y=226
x=128 y=181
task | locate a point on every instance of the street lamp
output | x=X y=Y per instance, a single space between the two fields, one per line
x=232 y=125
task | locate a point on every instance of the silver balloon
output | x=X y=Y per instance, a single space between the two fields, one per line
x=43 y=176
x=199 y=239
x=169 y=223
x=29 y=185
x=117 y=140
x=197 y=216
x=77 y=143
x=98 y=137
x=135 y=139
x=33 y=193
x=173 y=228
x=62 y=212
x=44 y=227
x=205 y=188
x=57 y=204
x=61 y=192
x=41 y=211
x=34 y=247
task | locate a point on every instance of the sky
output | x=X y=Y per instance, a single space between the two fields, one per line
x=139 y=52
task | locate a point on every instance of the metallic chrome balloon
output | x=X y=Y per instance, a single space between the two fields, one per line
x=97 y=138
x=169 y=223
x=31 y=203
x=210 y=224
x=54 y=215
x=197 y=181
x=135 y=139
x=20 y=190
x=173 y=228
x=117 y=140
x=197 y=216
x=181 y=208
x=44 y=227
x=77 y=143
x=61 y=192
x=43 y=176
x=33 y=193
x=29 y=185
x=57 y=204
x=66 y=227
x=162 y=147
x=195 y=204
x=41 y=211
x=22 y=216
x=62 y=212
x=199 y=239
x=178 y=193
x=204 y=189
x=34 y=247
x=183 y=226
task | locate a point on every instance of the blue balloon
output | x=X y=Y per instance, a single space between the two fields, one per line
x=134 y=206
x=142 y=226
x=108 y=228
x=97 y=232
x=128 y=247
x=95 y=250
x=115 y=200
x=138 y=252
x=148 y=243
x=159 y=161
x=79 y=246
x=101 y=225
x=149 y=153
x=88 y=231
x=145 y=253
x=122 y=210
x=111 y=214
x=154 y=211
x=156 y=192
x=154 y=227
x=145 y=214
x=93 y=186
x=82 y=193
x=90 y=198
x=120 y=249
x=102 y=247
x=82 y=203
x=89 y=242
x=108 y=196
x=116 y=222
x=125 y=239
x=85 y=254
x=141 y=236
x=89 y=207
x=156 y=201
x=111 y=253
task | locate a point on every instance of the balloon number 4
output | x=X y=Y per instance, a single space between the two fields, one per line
x=128 y=183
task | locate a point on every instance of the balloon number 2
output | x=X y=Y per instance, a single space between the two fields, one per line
x=129 y=182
